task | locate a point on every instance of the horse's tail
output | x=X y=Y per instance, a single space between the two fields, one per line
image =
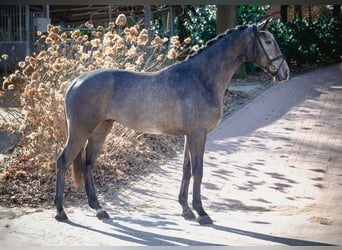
x=78 y=168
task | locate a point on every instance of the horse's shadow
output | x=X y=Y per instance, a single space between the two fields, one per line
x=270 y=238
x=143 y=237
x=126 y=228
x=149 y=238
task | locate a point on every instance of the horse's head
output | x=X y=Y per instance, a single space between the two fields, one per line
x=264 y=51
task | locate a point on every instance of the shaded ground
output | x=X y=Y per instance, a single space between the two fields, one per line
x=272 y=176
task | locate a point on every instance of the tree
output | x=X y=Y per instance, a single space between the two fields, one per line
x=181 y=12
x=336 y=10
x=226 y=16
x=283 y=13
x=199 y=22
x=298 y=12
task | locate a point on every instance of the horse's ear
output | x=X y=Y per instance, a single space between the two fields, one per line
x=264 y=24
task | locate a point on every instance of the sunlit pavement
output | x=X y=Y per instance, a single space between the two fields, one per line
x=272 y=176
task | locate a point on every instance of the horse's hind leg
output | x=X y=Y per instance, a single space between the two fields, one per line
x=64 y=160
x=93 y=148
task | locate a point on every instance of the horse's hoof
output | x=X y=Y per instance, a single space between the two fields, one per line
x=102 y=214
x=61 y=216
x=204 y=220
x=188 y=215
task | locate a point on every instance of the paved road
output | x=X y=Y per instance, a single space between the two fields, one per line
x=273 y=176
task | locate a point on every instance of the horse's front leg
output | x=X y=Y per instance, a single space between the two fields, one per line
x=183 y=193
x=196 y=144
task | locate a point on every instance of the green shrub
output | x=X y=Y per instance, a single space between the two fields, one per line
x=310 y=41
x=251 y=14
x=200 y=23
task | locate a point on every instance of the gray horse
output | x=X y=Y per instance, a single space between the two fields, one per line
x=183 y=99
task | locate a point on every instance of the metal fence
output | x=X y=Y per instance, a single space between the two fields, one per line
x=12 y=23
x=15 y=23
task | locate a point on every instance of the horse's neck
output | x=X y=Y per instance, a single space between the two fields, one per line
x=220 y=61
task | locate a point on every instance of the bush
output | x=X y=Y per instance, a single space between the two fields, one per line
x=200 y=23
x=306 y=41
x=251 y=14
x=42 y=80
x=301 y=40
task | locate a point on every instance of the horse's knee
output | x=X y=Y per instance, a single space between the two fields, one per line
x=186 y=175
x=197 y=178
x=183 y=192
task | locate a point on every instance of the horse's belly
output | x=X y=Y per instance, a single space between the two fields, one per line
x=154 y=126
x=172 y=123
x=163 y=114
x=154 y=119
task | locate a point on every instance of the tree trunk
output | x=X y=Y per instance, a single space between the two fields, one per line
x=283 y=13
x=181 y=14
x=148 y=25
x=336 y=10
x=298 y=12
x=226 y=16
x=148 y=20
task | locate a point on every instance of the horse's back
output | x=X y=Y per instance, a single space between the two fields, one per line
x=147 y=102
x=138 y=100
x=165 y=102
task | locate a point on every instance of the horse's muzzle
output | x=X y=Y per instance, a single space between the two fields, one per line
x=282 y=75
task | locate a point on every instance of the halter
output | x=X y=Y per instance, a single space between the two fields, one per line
x=270 y=66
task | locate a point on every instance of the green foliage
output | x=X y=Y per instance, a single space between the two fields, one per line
x=201 y=23
x=251 y=14
x=308 y=41
x=301 y=40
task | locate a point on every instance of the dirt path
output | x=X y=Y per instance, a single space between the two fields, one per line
x=272 y=176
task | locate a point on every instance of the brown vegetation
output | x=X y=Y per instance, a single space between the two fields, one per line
x=27 y=176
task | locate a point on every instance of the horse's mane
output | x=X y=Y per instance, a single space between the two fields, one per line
x=216 y=39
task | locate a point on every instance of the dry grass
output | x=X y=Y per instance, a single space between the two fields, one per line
x=28 y=176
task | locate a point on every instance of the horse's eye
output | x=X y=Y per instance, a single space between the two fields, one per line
x=268 y=42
